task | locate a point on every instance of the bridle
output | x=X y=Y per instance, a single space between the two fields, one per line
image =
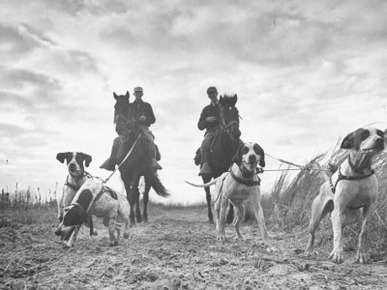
x=226 y=127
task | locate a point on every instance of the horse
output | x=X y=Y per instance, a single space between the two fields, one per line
x=138 y=162
x=224 y=145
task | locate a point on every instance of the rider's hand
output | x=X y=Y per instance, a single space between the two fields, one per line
x=210 y=119
x=142 y=118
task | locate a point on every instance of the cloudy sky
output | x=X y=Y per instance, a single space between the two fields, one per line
x=306 y=74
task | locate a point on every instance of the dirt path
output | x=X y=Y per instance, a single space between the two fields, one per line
x=176 y=250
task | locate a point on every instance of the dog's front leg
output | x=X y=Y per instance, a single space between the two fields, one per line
x=221 y=236
x=337 y=254
x=239 y=214
x=362 y=256
x=261 y=221
x=73 y=237
x=111 y=230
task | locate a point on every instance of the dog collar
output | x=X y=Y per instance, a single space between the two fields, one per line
x=247 y=182
x=74 y=186
x=344 y=177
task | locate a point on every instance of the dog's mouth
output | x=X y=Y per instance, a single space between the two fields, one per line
x=371 y=150
x=250 y=166
x=76 y=173
x=66 y=232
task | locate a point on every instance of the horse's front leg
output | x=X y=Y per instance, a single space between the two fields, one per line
x=146 y=198
x=208 y=198
x=138 y=209
x=131 y=200
x=135 y=197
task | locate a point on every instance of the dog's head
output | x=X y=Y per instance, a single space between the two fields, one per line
x=75 y=162
x=249 y=155
x=368 y=140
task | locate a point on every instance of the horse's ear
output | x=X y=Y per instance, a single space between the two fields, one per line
x=238 y=156
x=127 y=95
x=235 y=99
x=221 y=99
x=87 y=158
x=114 y=95
x=62 y=156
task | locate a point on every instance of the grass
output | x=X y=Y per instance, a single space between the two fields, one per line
x=289 y=205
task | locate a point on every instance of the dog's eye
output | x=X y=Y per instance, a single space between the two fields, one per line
x=257 y=149
x=380 y=133
x=365 y=134
x=245 y=150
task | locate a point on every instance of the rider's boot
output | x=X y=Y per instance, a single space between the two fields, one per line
x=108 y=165
x=155 y=165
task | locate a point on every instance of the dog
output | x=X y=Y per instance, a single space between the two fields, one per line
x=350 y=192
x=94 y=198
x=77 y=176
x=239 y=186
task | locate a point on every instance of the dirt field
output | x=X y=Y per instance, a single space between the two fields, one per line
x=175 y=250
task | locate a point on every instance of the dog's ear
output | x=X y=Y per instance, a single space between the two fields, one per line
x=115 y=95
x=348 y=142
x=259 y=151
x=352 y=140
x=61 y=157
x=237 y=158
x=87 y=158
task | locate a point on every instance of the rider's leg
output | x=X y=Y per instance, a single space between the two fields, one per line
x=152 y=148
x=110 y=163
x=204 y=151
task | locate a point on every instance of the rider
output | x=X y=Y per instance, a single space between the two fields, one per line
x=144 y=117
x=209 y=120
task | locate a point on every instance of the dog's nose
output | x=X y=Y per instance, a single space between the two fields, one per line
x=72 y=167
x=252 y=158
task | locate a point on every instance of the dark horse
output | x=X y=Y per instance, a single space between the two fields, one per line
x=224 y=145
x=138 y=162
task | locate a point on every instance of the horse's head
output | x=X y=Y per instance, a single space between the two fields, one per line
x=121 y=113
x=229 y=116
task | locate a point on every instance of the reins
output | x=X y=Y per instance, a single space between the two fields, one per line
x=126 y=157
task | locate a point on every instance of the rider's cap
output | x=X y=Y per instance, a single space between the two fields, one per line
x=212 y=89
x=138 y=89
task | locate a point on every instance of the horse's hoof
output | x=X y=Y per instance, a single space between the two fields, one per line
x=114 y=244
x=126 y=235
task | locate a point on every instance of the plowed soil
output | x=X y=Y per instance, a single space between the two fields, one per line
x=177 y=249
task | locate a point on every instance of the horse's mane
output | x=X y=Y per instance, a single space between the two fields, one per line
x=228 y=100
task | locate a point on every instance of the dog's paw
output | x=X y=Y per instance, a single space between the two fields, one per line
x=362 y=257
x=221 y=237
x=310 y=253
x=114 y=244
x=67 y=245
x=337 y=256
x=271 y=249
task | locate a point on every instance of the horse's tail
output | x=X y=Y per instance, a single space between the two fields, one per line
x=158 y=186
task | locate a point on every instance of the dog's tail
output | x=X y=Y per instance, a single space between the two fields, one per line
x=158 y=186
x=208 y=184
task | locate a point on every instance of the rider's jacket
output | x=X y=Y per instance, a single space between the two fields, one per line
x=141 y=108
x=212 y=110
